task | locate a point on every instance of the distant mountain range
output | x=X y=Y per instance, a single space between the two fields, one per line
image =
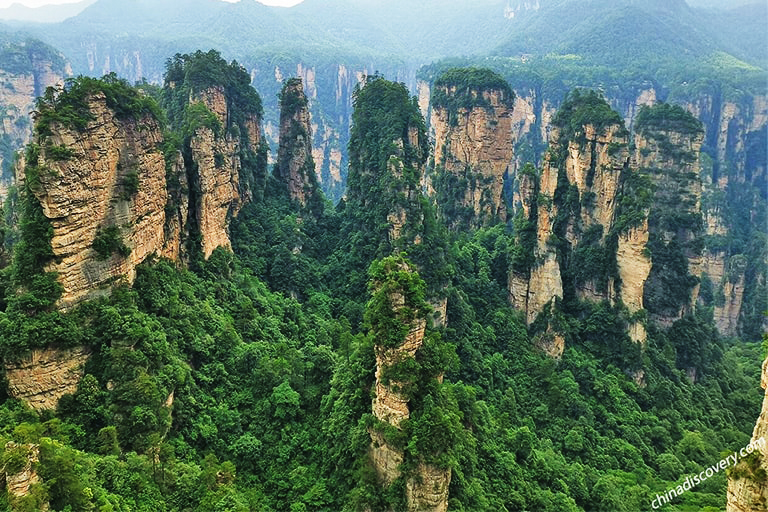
x=45 y=14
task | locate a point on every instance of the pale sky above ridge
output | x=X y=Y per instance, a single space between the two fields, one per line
x=40 y=3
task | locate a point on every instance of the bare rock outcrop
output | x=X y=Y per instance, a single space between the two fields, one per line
x=22 y=84
x=45 y=375
x=295 y=163
x=112 y=173
x=668 y=144
x=634 y=265
x=472 y=123
x=426 y=486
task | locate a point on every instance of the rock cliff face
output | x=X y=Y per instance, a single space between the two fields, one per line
x=472 y=123
x=113 y=200
x=747 y=483
x=667 y=151
x=35 y=67
x=45 y=375
x=215 y=173
x=109 y=174
x=592 y=165
x=295 y=164
x=604 y=215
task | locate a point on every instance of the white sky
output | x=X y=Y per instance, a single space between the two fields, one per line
x=39 y=3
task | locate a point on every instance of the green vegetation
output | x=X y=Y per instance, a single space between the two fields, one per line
x=193 y=80
x=666 y=117
x=244 y=381
x=108 y=242
x=582 y=108
x=463 y=88
x=70 y=106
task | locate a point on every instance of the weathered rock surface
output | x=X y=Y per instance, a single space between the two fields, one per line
x=670 y=158
x=295 y=163
x=113 y=175
x=90 y=190
x=427 y=488
x=45 y=375
x=474 y=146
x=747 y=490
x=219 y=197
x=18 y=483
x=634 y=266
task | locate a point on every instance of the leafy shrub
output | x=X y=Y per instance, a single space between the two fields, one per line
x=108 y=241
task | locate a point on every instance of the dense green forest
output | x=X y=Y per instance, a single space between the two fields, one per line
x=244 y=381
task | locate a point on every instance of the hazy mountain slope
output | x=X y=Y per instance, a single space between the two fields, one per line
x=45 y=14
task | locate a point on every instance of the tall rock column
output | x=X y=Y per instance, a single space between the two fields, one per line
x=472 y=122
x=397 y=316
x=583 y=230
x=102 y=184
x=385 y=210
x=668 y=142
x=295 y=165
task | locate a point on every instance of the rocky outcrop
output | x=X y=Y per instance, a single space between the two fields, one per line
x=593 y=164
x=426 y=486
x=747 y=482
x=45 y=375
x=295 y=164
x=634 y=265
x=668 y=144
x=19 y=479
x=472 y=123
x=110 y=174
x=113 y=198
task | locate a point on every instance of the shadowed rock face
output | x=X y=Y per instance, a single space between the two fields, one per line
x=295 y=163
x=747 y=486
x=670 y=158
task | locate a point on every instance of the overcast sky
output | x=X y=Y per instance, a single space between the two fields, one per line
x=39 y=3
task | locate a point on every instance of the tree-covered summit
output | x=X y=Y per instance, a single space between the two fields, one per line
x=464 y=87
x=666 y=117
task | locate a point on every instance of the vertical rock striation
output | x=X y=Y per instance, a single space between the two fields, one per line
x=668 y=142
x=295 y=164
x=472 y=123
x=111 y=173
x=607 y=224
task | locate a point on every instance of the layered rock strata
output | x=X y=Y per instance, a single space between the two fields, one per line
x=473 y=152
x=45 y=375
